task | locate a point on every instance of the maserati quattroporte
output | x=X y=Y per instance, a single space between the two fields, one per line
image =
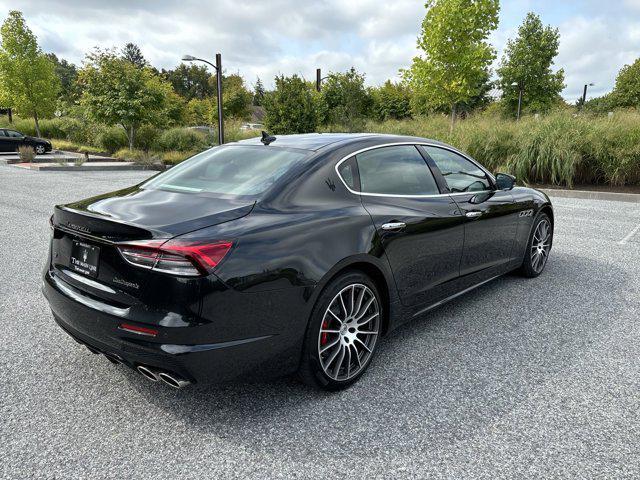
x=285 y=254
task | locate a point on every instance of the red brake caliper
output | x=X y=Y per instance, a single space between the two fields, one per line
x=324 y=337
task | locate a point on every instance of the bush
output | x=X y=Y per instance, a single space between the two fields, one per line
x=182 y=140
x=173 y=158
x=74 y=147
x=26 y=154
x=112 y=139
x=146 y=137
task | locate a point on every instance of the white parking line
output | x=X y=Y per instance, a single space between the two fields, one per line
x=631 y=234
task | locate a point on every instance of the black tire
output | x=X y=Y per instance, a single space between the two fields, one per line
x=311 y=369
x=531 y=265
x=39 y=149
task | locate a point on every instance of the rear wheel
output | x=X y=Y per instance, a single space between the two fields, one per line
x=343 y=332
x=538 y=247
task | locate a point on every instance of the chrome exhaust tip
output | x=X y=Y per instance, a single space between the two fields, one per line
x=173 y=380
x=147 y=372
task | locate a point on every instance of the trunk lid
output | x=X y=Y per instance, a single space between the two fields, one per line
x=134 y=214
x=87 y=231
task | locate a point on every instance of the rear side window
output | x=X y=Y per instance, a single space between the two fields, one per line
x=233 y=170
x=460 y=174
x=395 y=170
x=348 y=172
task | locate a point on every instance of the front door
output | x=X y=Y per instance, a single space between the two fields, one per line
x=491 y=216
x=5 y=142
x=15 y=139
x=419 y=228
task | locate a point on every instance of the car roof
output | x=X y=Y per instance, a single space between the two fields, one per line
x=316 y=141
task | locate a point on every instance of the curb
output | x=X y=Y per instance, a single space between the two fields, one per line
x=589 y=195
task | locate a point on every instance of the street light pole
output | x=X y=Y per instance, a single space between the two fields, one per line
x=584 y=94
x=218 y=68
x=519 y=85
x=219 y=82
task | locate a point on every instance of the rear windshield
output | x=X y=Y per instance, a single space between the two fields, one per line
x=231 y=170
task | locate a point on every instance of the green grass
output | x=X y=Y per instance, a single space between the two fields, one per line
x=559 y=149
x=74 y=147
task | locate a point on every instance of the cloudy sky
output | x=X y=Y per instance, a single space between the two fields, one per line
x=267 y=37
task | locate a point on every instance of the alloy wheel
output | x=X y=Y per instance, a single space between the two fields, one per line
x=349 y=332
x=39 y=149
x=540 y=245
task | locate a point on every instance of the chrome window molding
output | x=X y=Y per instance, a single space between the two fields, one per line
x=424 y=144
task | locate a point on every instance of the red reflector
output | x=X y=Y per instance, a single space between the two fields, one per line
x=139 y=330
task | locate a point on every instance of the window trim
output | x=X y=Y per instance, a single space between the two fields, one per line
x=490 y=177
x=415 y=144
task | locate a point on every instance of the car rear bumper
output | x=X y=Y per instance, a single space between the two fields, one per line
x=251 y=357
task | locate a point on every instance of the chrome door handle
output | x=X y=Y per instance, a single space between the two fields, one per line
x=394 y=226
x=475 y=214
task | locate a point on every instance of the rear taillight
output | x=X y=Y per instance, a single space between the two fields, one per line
x=177 y=257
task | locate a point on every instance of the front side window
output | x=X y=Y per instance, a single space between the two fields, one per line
x=231 y=170
x=13 y=134
x=395 y=170
x=460 y=174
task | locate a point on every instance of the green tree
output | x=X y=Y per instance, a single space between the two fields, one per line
x=28 y=81
x=290 y=107
x=456 y=54
x=391 y=101
x=346 y=100
x=236 y=99
x=191 y=81
x=626 y=93
x=132 y=53
x=116 y=92
x=258 y=93
x=527 y=64
x=67 y=72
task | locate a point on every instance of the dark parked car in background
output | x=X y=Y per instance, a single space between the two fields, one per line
x=291 y=254
x=10 y=141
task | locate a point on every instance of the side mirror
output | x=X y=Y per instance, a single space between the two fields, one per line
x=504 y=181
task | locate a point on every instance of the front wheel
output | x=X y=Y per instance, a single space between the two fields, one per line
x=538 y=247
x=343 y=332
x=39 y=149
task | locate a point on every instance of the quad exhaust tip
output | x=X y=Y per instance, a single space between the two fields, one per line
x=173 y=380
x=167 y=378
x=147 y=372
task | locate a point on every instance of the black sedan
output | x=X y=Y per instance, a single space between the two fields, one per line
x=285 y=254
x=10 y=141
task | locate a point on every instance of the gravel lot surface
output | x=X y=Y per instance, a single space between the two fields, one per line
x=519 y=379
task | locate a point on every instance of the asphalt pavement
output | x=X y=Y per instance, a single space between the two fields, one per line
x=518 y=379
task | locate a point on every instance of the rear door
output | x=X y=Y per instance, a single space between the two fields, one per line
x=419 y=228
x=491 y=216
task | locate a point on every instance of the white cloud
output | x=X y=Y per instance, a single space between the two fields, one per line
x=264 y=38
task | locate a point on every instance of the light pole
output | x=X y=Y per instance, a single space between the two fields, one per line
x=584 y=94
x=319 y=79
x=218 y=69
x=516 y=84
